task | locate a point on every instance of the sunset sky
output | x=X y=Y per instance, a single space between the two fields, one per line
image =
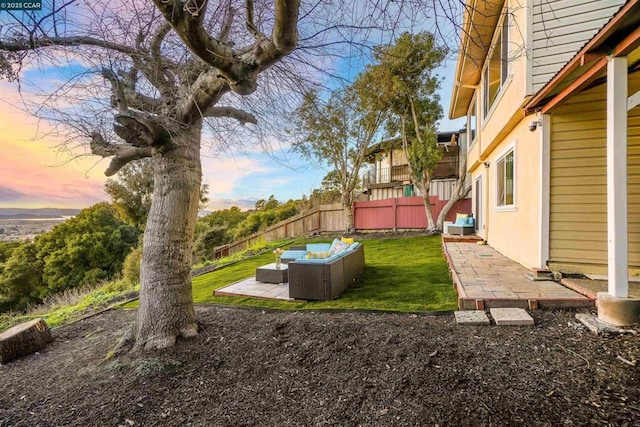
x=36 y=173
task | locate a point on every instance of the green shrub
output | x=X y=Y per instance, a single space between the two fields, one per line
x=131 y=266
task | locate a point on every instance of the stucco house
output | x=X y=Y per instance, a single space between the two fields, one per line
x=550 y=90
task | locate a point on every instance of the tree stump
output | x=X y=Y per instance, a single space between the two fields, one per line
x=24 y=339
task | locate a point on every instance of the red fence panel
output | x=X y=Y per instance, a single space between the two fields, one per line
x=410 y=212
x=403 y=213
x=374 y=215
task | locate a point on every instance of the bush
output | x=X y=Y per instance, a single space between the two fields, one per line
x=207 y=240
x=83 y=250
x=131 y=266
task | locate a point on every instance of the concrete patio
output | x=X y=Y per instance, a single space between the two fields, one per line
x=484 y=278
x=254 y=289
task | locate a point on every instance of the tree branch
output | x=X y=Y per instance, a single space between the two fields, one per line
x=122 y=154
x=285 y=28
x=205 y=92
x=251 y=26
x=239 y=68
x=118 y=99
x=242 y=116
x=157 y=40
x=32 y=44
x=228 y=22
x=139 y=131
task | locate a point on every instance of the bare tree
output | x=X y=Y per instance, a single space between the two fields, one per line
x=153 y=76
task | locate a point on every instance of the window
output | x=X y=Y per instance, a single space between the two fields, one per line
x=472 y=122
x=504 y=180
x=497 y=69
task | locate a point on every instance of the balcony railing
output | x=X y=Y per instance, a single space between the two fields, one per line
x=385 y=175
x=446 y=168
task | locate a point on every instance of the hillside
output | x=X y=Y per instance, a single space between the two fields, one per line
x=42 y=213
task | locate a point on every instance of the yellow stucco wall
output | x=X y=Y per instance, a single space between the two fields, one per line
x=515 y=231
x=505 y=113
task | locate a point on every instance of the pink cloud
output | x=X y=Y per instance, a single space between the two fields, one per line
x=33 y=173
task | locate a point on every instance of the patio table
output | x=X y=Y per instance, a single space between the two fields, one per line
x=270 y=274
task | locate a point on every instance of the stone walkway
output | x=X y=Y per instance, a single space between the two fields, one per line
x=251 y=288
x=484 y=278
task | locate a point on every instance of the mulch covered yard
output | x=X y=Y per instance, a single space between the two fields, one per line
x=250 y=367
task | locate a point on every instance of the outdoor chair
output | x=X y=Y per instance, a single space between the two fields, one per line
x=464 y=225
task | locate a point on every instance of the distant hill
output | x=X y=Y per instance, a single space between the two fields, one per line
x=43 y=213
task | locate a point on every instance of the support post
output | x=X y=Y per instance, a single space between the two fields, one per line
x=545 y=189
x=618 y=264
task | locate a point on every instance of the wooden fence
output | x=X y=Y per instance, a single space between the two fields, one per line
x=403 y=213
x=323 y=218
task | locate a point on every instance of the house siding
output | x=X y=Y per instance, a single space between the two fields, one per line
x=578 y=208
x=441 y=188
x=561 y=28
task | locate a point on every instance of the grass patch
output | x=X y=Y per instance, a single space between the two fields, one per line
x=404 y=275
x=69 y=305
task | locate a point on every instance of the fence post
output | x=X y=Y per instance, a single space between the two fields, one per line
x=395 y=214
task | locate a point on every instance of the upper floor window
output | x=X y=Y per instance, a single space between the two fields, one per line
x=505 y=190
x=496 y=69
x=472 y=122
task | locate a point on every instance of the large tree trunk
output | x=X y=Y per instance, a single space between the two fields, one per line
x=348 y=212
x=166 y=302
x=424 y=190
x=460 y=192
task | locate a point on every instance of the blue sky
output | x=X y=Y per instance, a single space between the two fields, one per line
x=36 y=172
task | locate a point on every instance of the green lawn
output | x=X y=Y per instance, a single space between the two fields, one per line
x=408 y=275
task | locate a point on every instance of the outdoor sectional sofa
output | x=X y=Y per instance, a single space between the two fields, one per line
x=326 y=278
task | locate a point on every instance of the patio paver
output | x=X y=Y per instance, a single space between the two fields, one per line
x=472 y=317
x=511 y=317
x=485 y=278
x=251 y=288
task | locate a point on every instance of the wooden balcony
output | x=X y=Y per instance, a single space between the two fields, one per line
x=447 y=167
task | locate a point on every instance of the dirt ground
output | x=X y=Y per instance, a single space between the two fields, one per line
x=250 y=367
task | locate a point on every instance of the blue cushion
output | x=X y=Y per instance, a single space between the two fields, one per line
x=353 y=246
x=318 y=247
x=289 y=254
x=461 y=222
x=469 y=222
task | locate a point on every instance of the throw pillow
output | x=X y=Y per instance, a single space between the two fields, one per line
x=461 y=216
x=347 y=240
x=341 y=246
x=319 y=255
x=333 y=244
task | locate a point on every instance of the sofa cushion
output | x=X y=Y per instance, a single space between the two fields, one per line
x=292 y=254
x=319 y=255
x=461 y=216
x=318 y=247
